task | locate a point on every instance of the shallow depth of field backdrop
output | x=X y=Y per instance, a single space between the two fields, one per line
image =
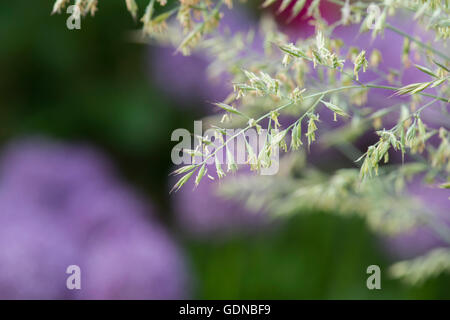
x=94 y=86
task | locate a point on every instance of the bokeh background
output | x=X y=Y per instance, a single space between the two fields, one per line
x=85 y=124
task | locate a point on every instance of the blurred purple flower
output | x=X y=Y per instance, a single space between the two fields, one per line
x=419 y=240
x=50 y=174
x=141 y=264
x=62 y=205
x=34 y=254
x=185 y=78
x=202 y=211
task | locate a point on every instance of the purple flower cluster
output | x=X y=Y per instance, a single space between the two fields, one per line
x=417 y=241
x=61 y=205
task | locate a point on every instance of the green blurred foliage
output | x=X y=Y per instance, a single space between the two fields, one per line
x=310 y=256
x=93 y=85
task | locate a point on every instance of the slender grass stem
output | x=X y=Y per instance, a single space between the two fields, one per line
x=322 y=93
